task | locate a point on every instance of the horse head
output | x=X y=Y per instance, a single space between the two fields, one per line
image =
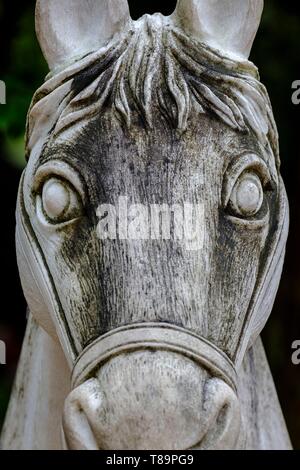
x=139 y=123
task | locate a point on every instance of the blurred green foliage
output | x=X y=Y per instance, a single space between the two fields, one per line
x=23 y=74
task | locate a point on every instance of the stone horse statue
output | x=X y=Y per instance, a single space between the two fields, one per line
x=136 y=342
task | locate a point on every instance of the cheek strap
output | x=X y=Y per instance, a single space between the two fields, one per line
x=38 y=285
x=268 y=281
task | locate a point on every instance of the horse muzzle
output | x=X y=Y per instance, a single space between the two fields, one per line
x=152 y=386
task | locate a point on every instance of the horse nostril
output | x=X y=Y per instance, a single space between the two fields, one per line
x=81 y=407
x=222 y=414
x=223 y=409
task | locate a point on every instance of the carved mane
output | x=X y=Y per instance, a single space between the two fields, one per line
x=156 y=67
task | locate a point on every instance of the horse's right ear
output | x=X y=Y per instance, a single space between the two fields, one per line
x=68 y=29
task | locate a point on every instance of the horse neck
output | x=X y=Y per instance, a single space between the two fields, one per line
x=263 y=420
x=42 y=383
x=33 y=419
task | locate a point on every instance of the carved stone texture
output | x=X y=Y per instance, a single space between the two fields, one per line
x=139 y=342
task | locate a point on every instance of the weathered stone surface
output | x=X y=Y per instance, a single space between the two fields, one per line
x=138 y=340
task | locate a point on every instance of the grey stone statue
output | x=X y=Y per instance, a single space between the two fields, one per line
x=136 y=340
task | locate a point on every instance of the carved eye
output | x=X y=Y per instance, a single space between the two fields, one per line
x=60 y=201
x=247 y=195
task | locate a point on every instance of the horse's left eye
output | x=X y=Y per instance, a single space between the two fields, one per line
x=247 y=195
x=60 y=201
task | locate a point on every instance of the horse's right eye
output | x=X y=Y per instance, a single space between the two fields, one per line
x=60 y=202
x=247 y=195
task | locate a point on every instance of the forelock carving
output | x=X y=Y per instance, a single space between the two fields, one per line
x=157 y=68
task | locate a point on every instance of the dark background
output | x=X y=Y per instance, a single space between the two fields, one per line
x=277 y=54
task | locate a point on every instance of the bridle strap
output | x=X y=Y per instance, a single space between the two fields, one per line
x=153 y=336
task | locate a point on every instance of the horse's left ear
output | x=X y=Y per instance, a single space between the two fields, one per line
x=68 y=29
x=227 y=25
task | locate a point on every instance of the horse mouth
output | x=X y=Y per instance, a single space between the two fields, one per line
x=150 y=399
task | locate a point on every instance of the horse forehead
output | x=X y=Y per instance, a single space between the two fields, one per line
x=107 y=149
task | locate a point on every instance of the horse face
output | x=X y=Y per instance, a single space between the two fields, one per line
x=102 y=284
x=151 y=220
x=203 y=284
